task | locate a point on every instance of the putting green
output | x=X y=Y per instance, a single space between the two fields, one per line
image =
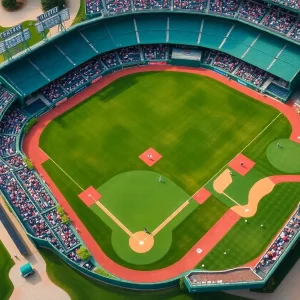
x=284 y=157
x=139 y=200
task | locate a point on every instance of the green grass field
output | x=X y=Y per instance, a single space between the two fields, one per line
x=6 y=263
x=198 y=125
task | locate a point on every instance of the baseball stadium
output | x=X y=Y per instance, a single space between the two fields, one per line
x=155 y=143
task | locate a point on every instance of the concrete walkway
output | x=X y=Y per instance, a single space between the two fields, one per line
x=31 y=10
x=37 y=286
x=289 y=288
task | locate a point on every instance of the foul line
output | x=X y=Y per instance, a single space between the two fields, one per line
x=231 y=199
x=62 y=170
x=117 y=221
x=170 y=218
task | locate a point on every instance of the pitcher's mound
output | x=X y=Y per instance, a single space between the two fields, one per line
x=141 y=242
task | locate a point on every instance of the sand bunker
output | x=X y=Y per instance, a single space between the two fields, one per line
x=260 y=189
x=222 y=182
x=141 y=242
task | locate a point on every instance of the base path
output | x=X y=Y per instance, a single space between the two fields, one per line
x=190 y=260
x=259 y=190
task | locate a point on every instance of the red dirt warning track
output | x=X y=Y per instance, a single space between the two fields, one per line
x=211 y=238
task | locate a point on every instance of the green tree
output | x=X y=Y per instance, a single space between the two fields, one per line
x=65 y=219
x=83 y=253
x=48 y=4
x=28 y=163
x=182 y=285
x=10 y=4
x=60 y=210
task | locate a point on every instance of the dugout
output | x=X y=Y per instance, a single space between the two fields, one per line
x=186 y=57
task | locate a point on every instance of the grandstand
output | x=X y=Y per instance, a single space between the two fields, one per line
x=101 y=46
x=254 y=43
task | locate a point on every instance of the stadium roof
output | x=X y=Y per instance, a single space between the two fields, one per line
x=60 y=54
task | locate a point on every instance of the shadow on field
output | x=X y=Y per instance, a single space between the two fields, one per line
x=118 y=87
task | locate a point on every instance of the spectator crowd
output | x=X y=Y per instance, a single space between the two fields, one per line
x=6 y=98
x=279 y=245
x=26 y=193
x=93 y=6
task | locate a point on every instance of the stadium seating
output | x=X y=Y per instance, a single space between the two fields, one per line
x=12 y=122
x=154 y=52
x=35 y=189
x=295 y=33
x=6 y=98
x=129 y=55
x=226 y=62
x=53 y=91
x=72 y=80
x=15 y=162
x=289 y=3
x=251 y=74
x=110 y=59
x=253 y=11
x=27 y=194
x=278 y=90
x=92 y=68
x=223 y=6
x=150 y=4
x=7 y=145
x=278 y=246
x=280 y=20
x=94 y=6
x=119 y=6
x=196 y=5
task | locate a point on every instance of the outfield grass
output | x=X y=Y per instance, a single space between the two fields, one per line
x=6 y=263
x=197 y=131
x=80 y=287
